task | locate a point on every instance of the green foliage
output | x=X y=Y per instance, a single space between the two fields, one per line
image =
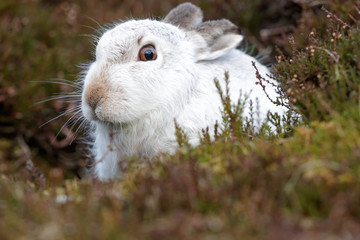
x=322 y=80
x=301 y=180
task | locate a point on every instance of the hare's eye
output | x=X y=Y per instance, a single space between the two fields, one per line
x=147 y=53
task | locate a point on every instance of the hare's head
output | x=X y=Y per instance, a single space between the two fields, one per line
x=146 y=67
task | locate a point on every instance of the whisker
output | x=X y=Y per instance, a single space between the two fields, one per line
x=92 y=36
x=83 y=122
x=76 y=108
x=93 y=20
x=73 y=98
x=90 y=27
x=75 y=93
x=75 y=85
x=71 y=109
x=66 y=123
x=64 y=80
x=68 y=101
x=73 y=124
x=84 y=67
x=59 y=94
x=60 y=81
x=62 y=114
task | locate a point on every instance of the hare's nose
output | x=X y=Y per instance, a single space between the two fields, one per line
x=93 y=95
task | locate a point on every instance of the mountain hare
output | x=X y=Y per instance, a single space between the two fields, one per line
x=148 y=73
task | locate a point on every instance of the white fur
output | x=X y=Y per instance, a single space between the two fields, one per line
x=135 y=116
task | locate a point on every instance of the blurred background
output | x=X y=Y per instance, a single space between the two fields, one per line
x=303 y=182
x=45 y=40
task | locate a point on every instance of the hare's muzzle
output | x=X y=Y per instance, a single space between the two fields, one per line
x=94 y=93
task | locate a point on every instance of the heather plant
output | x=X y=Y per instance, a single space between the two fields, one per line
x=321 y=80
x=297 y=177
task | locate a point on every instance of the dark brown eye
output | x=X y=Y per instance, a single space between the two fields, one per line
x=147 y=53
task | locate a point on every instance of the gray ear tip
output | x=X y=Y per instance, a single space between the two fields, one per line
x=184 y=15
x=187 y=4
x=218 y=27
x=232 y=27
x=189 y=7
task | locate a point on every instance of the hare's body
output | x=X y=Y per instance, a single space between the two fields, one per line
x=149 y=73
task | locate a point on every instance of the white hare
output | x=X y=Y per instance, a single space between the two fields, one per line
x=148 y=73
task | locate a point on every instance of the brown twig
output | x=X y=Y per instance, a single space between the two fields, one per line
x=64 y=142
x=34 y=172
x=261 y=83
x=331 y=15
x=293 y=45
x=332 y=54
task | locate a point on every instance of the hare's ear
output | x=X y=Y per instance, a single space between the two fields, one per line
x=185 y=16
x=220 y=37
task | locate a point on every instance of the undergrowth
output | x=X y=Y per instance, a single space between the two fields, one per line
x=301 y=180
